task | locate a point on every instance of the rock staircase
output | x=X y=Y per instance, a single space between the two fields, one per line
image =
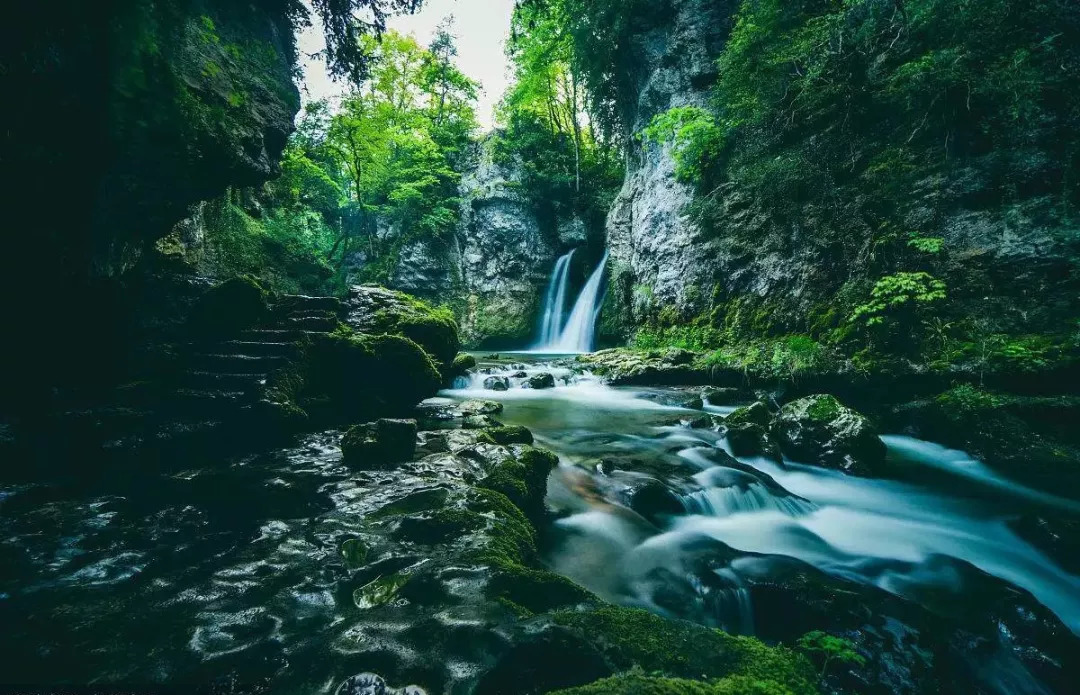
x=214 y=398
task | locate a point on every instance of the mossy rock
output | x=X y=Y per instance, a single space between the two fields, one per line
x=633 y=638
x=230 y=307
x=377 y=310
x=379 y=444
x=753 y=414
x=362 y=376
x=439 y=526
x=462 y=364
x=480 y=408
x=355 y=552
x=544 y=380
x=511 y=434
x=380 y=591
x=641 y=684
x=821 y=430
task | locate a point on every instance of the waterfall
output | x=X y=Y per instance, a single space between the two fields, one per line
x=577 y=334
x=555 y=301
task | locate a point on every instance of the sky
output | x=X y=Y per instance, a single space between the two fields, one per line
x=481 y=27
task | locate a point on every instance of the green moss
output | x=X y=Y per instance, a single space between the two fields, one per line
x=640 y=684
x=462 y=364
x=824 y=408
x=433 y=328
x=966 y=399
x=754 y=414
x=422 y=501
x=380 y=591
x=230 y=307
x=630 y=637
x=439 y=526
x=355 y=552
x=366 y=375
x=513 y=434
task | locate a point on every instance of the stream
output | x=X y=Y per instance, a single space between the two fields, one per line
x=183 y=575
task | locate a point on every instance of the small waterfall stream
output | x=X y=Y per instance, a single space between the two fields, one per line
x=579 y=332
x=555 y=301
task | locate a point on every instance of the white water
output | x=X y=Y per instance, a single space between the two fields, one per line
x=555 y=301
x=578 y=334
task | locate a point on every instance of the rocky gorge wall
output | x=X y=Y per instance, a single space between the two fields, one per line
x=798 y=257
x=128 y=115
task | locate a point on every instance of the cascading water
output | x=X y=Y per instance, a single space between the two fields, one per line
x=555 y=301
x=577 y=335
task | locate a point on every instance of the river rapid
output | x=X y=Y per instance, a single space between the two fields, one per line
x=234 y=567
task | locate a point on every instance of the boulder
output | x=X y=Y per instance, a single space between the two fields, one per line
x=496 y=383
x=714 y=395
x=378 y=444
x=462 y=364
x=820 y=430
x=374 y=309
x=655 y=502
x=747 y=431
x=544 y=380
x=513 y=434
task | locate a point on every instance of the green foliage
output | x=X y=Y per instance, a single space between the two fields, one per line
x=570 y=169
x=898 y=295
x=926 y=244
x=696 y=139
x=830 y=648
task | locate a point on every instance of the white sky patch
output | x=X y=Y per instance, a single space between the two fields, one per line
x=481 y=28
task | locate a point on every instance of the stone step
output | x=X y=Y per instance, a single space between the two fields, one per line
x=211 y=403
x=318 y=324
x=221 y=381
x=304 y=314
x=257 y=348
x=293 y=302
x=277 y=335
x=237 y=363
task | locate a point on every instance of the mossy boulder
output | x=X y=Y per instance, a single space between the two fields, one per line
x=747 y=431
x=230 y=307
x=631 y=638
x=511 y=434
x=358 y=377
x=379 y=444
x=374 y=309
x=641 y=684
x=821 y=430
x=480 y=408
x=462 y=364
x=524 y=480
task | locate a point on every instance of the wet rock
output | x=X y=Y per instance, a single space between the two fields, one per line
x=544 y=380
x=714 y=395
x=378 y=444
x=354 y=552
x=656 y=502
x=514 y=434
x=377 y=310
x=496 y=383
x=480 y=408
x=462 y=364
x=702 y=422
x=694 y=403
x=372 y=684
x=621 y=366
x=821 y=430
x=480 y=422
x=519 y=375
x=747 y=432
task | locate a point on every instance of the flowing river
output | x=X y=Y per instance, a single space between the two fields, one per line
x=158 y=576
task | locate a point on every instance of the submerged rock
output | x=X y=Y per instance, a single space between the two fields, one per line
x=377 y=444
x=821 y=430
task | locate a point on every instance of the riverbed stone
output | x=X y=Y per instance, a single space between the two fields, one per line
x=496 y=383
x=480 y=408
x=544 y=380
x=378 y=444
x=821 y=430
x=480 y=422
x=513 y=434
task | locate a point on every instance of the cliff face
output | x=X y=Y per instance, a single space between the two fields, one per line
x=127 y=114
x=657 y=255
x=505 y=256
x=794 y=253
